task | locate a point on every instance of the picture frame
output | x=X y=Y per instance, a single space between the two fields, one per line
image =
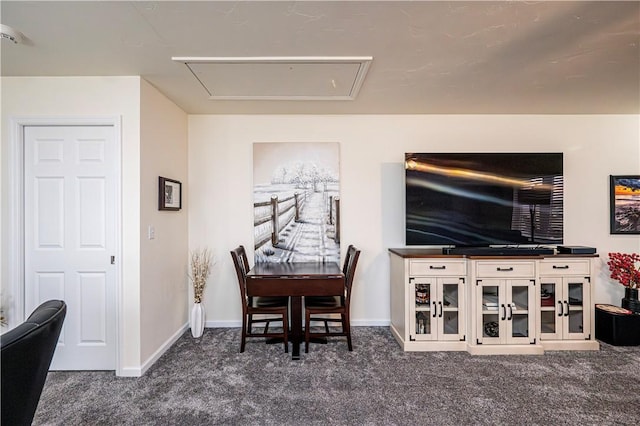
x=294 y=183
x=169 y=194
x=624 y=194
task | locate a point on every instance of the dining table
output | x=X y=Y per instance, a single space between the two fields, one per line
x=295 y=280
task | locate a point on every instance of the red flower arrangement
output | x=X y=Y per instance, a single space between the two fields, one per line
x=624 y=269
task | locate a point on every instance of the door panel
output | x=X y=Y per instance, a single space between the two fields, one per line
x=422 y=322
x=576 y=306
x=506 y=314
x=520 y=313
x=564 y=305
x=50 y=285
x=91 y=212
x=70 y=228
x=49 y=208
x=92 y=308
x=551 y=306
x=450 y=292
x=491 y=328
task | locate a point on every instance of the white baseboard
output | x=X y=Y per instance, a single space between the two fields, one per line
x=371 y=323
x=223 y=324
x=139 y=371
x=129 y=372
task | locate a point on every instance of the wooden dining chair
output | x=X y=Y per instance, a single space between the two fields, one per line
x=318 y=309
x=276 y=309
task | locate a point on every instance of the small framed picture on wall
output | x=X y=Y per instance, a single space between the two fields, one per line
x=624 y=192
x=169 y=194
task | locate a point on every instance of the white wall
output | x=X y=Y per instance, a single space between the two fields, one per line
x=87 y=97
x=372 y=150
x=218 y=185
x=163 y=260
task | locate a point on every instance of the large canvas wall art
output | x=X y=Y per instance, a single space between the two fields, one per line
x=296 y=202
x=625 y=204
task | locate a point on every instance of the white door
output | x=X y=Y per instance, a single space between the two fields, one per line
x=70 y=235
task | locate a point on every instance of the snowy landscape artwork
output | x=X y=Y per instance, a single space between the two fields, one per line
x=296 y=202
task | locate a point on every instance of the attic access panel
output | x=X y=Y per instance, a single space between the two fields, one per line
x=279 y=78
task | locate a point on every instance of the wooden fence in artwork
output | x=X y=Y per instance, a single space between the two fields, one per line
x=334 y=215
x=271 y=217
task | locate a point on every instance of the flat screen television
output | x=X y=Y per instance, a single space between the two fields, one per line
x=484 y=199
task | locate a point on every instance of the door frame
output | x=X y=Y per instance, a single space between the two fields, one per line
x=16 y=232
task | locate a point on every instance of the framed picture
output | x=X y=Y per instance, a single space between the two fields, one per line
x=296 y=202
x=625 y=204
x=169 y=194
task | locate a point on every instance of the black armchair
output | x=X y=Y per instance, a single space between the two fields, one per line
x=26 y=353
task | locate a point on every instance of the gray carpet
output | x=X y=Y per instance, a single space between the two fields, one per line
x=207 y=382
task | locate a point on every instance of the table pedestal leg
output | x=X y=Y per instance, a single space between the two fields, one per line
x=295 y=335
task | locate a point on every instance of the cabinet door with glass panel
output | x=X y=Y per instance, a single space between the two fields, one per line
x=506 y=311
x=436 y=313
x=564 y=308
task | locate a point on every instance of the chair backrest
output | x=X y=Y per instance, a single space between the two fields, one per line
x=245 y=259
x=350 y=250
x=351 y=260
x=26 y=352
x=241 y=263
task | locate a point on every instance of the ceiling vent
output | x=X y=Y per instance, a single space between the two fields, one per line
x=280 y=78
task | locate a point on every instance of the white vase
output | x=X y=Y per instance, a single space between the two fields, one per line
x=196 y=320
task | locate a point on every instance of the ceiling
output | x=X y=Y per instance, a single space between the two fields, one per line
x=429 y=57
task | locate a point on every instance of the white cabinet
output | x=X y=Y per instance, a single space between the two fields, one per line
x=435 y=313
x=491 y=305
x=507 y=311
x=428 y=309
x=565 y=303
x=504 y=302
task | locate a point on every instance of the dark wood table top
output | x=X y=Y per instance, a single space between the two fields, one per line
x=295 y=270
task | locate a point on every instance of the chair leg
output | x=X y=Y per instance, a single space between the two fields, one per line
x=326 y=327
x=346 y=327
x=266 y=328
x=243 y=336
x=285 y=328
x=307 y=330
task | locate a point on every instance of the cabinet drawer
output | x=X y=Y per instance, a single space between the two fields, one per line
x=505 y=269
x=434 y=268
x=559 y=267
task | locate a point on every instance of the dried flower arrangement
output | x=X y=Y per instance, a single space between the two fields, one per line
x=201 y=262
x=625 y=269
